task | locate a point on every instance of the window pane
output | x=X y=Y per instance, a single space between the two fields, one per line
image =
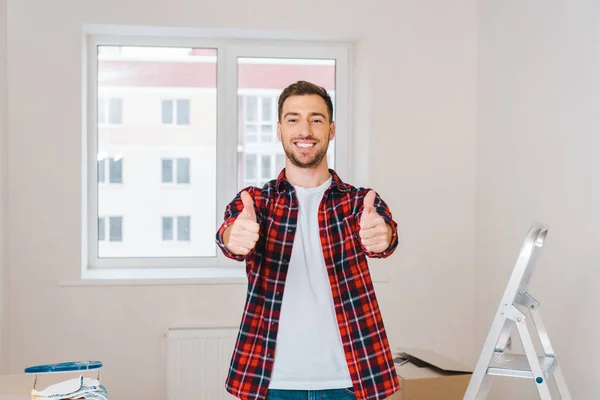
x=266 y=109
x=101 y=111
x=167 y=228
x=116 y=170
x=266 y=133
x=183 y=229
x=167 y=112
x=156 y=85
x=260 y=82
x=115 y=111
x=167 y=171
x=101 y=229
x=250 y=134
x=116 y=229
x=250 y=172
x=102 y=170
x=183 y=112
x=183 y=170
x=251 y=108
x=267 y=174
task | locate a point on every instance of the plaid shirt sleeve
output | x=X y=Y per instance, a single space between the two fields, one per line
x=382 y=209
x=232 y=210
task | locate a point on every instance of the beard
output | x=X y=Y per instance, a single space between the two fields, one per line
x=306 y=162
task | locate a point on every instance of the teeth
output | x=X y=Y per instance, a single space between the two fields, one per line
x=305 y=145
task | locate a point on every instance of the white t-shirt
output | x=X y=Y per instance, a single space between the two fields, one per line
x=309 y=354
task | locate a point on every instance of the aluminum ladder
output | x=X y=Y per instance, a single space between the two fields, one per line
x=515 y=308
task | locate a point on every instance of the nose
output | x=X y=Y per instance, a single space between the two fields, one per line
x=304 y=128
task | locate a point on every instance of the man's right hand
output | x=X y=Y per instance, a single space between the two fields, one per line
x=241 y=237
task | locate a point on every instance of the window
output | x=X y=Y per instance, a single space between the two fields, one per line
x=229 y=90
x=176 y=112
x=176 y=170
x=110 y=167
x=260 y=118
x=176 y=229
x=110 y=111
x=112 y=225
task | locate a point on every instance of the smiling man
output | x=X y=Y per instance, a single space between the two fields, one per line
x=311 y=327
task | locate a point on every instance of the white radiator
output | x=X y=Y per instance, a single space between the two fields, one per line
x=198 y=362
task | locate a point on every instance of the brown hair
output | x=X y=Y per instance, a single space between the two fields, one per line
x=301 y=88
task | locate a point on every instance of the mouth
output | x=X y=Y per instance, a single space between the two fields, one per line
x=304 y=146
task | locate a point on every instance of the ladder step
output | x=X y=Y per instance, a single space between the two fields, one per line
x=516 y=365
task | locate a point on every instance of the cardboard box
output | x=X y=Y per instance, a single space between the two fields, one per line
x=427 y=375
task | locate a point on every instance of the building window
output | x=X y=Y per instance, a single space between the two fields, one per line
x=261 y=167
x=176 y=112
x=110 y=229
x=176 y=229
x=260 y=119
x=176 y=170
x=233 y=142
x=110 y=111
x=110 y=170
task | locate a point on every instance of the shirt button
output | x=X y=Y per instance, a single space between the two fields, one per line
x=290 y=230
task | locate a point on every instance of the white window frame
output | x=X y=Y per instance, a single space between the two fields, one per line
x=175 y=112
x=228 y=50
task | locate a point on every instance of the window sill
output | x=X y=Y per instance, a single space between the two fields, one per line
x=174 y=277
x=159 y=276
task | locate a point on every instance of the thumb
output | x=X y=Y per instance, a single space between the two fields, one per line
x=368 y=208
x=369 y=201
x=248 y=210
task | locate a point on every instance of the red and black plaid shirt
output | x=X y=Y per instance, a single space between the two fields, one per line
x=361 y=326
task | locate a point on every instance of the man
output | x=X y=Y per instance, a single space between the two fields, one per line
x=311 y=327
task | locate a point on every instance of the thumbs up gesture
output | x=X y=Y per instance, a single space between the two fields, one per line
x=242 y=235
x=375 y=234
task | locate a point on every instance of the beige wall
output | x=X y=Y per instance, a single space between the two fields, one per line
x=3 y=184
x=539 y=118
x=415 y=106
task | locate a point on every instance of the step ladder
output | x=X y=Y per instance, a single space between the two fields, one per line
x=516 y=305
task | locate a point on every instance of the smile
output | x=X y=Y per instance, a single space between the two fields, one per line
x=305 y=145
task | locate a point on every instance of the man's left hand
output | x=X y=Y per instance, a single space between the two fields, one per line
x=375 y=234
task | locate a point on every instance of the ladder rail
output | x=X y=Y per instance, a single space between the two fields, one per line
x=499 y=328
x=559 y=379
x=542 y=332
x=561 y=383
x=536 y=368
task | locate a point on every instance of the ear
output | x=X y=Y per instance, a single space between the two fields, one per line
x=279 y=131
x=331 y=130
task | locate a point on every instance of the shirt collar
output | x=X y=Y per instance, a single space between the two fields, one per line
x=282 y=184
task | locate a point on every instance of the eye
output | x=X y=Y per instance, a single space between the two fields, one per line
x=317 y=121
x=291 y=120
